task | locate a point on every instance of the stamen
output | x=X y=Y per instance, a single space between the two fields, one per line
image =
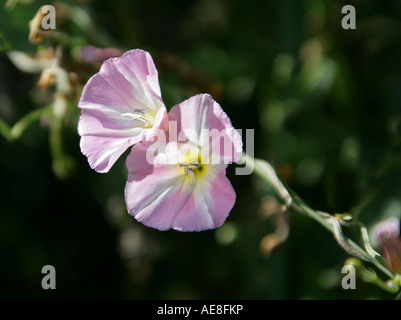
x=189 y=169
x=141 y=111
x=192 y=174
x=138 y=114
x=132 y=116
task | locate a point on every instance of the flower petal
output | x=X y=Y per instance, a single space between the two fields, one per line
x=153 y=193
x=105 y=137
x=202 y=115
x=160 y=195
x=208 y=206
x=135 y=77
x=123 y=86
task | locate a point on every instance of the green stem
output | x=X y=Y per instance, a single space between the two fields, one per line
x=62 y=163
x=55 y=138
x=18 y=128
x=5 y=130
x=334 y=227
x=328 y=221
x=369 y=258
x=368 y=275
x=381 y=284
x=299 y=205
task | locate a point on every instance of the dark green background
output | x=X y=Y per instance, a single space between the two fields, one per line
x=325 y=106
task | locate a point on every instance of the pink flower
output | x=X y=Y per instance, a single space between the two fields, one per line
x=179 y=182
x=388 y=234
x=121 y=105
x=190 y=193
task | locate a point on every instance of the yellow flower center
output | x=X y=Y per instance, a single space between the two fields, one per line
x=194 y=169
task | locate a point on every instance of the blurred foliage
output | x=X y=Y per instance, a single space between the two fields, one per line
x=325 y=106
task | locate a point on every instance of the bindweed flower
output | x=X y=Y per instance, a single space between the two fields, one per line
x=121 y=105
x=388 y=234
x=185 y=186
x=176 y=183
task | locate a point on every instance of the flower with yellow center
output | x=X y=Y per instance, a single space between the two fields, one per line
x=185 y=186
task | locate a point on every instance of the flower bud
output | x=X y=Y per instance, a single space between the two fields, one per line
x=35 y=27
x=92 y=54
x=387 y=233
x=47 y=78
